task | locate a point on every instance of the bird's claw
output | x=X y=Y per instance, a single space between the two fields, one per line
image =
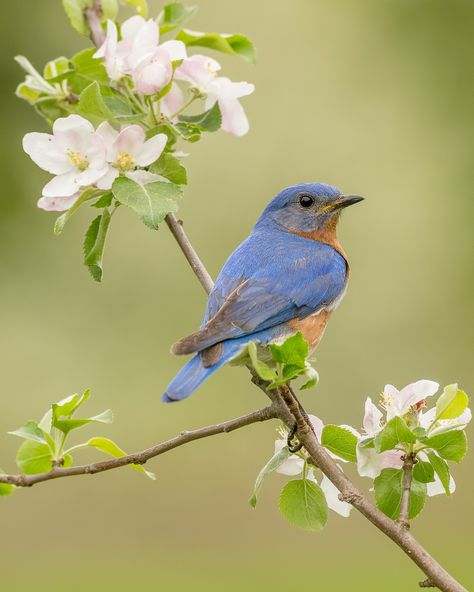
x=291 y=436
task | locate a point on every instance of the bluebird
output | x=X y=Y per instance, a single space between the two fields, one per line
x=289 y=275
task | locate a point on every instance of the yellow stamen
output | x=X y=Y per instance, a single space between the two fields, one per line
x=78 y=160
x=125 y=161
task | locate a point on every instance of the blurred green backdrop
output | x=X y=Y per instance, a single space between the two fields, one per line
x=374 y=96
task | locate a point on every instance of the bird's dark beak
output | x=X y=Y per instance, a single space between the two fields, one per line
x=344 y=201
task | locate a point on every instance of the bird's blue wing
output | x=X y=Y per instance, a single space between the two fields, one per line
x=265 y=282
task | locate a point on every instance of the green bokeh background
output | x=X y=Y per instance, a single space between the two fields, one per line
x=374 y=96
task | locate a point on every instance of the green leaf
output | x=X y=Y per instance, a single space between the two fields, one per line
x=66 y=407
x=105 y=201
x=423 y=472
x=451 y=403
x=340 y=441
x=441 y=469
x=90 y=68
x=57 y=70
x=34 y=457
x=109 y=447
x=449 y=445
x=303 y=503
x=68 y=424
x=94 y=243
x=141 y=6
x=209 y=121
x=276 y=460
x=174 y=15
x=233 y=44
x=152 y=202
x=189 y=131
x=30 y=431
x=418 y=493
x=367 y=443
x=395 y=432
x=5 y=488
x=23 y=91
x=170 y=167
x=75 y=12
x=293 y=351
x=62 y=220
x=92 y=103
x=388 y=492
x=264 y=371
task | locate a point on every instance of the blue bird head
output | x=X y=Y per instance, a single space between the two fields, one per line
x=306 y=208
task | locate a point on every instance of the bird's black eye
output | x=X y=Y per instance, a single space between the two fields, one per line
x=306 y=201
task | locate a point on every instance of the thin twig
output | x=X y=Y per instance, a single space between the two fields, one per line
x=176 y=227
x=140 y=458
x=408 y=463
x=93 y=15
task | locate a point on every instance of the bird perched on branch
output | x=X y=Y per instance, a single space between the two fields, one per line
x=288 y=276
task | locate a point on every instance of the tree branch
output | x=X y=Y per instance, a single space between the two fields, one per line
x=140 y=458
x=408 y=462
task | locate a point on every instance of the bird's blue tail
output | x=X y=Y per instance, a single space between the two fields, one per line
x=194 y=373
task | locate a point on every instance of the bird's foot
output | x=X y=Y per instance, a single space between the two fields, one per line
x=293 y=446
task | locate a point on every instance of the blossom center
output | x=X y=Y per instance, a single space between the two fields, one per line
x=125 y=161
x=78 y=160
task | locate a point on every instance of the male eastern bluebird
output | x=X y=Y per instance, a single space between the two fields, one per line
x=287 y=276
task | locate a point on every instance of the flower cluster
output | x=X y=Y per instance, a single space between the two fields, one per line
x=151 y=66
x=401 y=430
x=81 y=157
x=407 y=407
x=119 y=111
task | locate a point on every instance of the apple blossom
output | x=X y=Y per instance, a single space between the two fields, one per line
x=201 y=72
x=73 y=152
x=369 y=462
x=139 y=37
x=398 y=403
x=139 y=54
x=154 y=71
x=127 y=150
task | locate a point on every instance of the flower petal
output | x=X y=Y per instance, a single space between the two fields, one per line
x=153 y=74
x=62 y=186
x=45 y=152
x=317 y=424
x=57 y=204
x=105 y=182
x=437 y=488
x=130 y=140
x=198 y=70
x=372 y=418
x=332 y=497
x=172 y=101
x=292 y=466
x=151 y=150
x=176 y=50
x=108 y=135
x=234 y=120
